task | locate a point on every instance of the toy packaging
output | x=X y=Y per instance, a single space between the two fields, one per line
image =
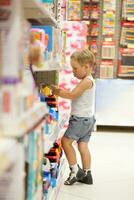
x=74 y=10
x=106 y=69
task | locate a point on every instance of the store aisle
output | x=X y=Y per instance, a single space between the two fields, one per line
x=112 y=169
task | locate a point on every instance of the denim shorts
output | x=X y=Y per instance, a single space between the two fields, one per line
x=80 y=128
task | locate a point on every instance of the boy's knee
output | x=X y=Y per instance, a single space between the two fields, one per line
x=65 y=142
x=82 y=147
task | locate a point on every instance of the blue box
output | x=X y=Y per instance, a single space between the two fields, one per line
x=49 y=31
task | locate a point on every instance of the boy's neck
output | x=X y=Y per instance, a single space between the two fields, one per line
x=89 y=73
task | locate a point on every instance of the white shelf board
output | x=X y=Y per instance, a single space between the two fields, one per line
x=24 y=123
x=49 y=65
x=34 y=10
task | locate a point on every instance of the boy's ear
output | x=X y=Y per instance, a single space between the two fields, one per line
x=87 y=65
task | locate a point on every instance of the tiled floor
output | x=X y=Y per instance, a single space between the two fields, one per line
x=112 y=169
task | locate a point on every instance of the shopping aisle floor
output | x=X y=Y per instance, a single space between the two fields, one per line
x=112 y=169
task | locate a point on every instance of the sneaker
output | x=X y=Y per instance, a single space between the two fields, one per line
x=87 y=179
x=73 y=178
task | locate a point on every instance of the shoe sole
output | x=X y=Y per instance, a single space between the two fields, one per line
x=85 y=182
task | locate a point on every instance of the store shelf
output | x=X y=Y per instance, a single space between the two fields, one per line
x=126 y=75
x=54 y=192
x=49 y=65
x=26 y=123
x=36 y=13
x=11 y=159
x=55 y=134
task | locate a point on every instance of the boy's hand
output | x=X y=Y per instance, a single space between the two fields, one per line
x=55 y=89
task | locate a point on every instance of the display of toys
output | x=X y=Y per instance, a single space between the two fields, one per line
x=54 y=41
x=93 y=46
x=86 y=12
x=46 y=91
x=50 y=169
x=54 y=153
x=74 y=10
x=38 y=35
x=127 y=34
x=37 y=48
x=95 y=13
x=106 y=69
x=54 y=113
x=51 y=120
x=108 y=23
x=126 y=62
x=94 y=29
x=54 y=174
x=46 y=175
x=52 y=101
x=128 y=10
x=126 y=50
x=109 y=5
x=108 y=50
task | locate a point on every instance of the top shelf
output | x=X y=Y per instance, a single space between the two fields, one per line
x=49 y=65
x=37 y=14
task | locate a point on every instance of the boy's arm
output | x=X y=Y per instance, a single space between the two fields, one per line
x=76 y=92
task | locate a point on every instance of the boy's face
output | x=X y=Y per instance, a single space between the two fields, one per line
x=79 y=71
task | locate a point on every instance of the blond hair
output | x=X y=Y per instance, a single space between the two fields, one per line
x=84 y=56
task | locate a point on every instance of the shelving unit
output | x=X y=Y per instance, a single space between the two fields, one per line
x=53 y=192
x=11 y=158
x=111 y=80
x=126 y=41
x=26 y=122
x=37 y=14
x=49 y=65
x=28 y=119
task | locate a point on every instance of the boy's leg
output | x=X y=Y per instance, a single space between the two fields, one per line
x=76 y=173
x=69 y=150
x=86 y=162
x=85 y=154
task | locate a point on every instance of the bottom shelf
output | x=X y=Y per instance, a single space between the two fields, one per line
x=53 y=192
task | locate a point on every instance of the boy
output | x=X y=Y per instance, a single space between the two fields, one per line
x=82 y=116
